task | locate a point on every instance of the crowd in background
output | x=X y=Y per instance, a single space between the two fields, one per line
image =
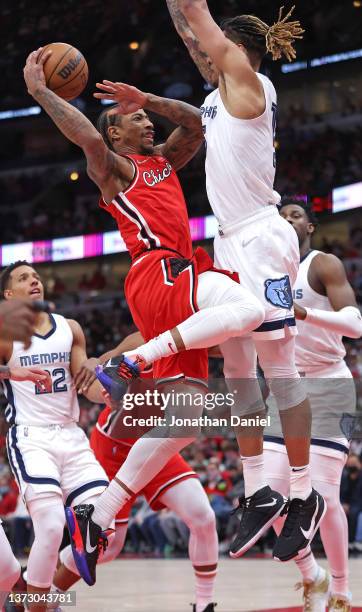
x=47 y=204
x=118 y=22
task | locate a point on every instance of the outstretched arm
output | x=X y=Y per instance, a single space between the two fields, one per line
x=71 y=122
x=206 y=68
x=240 y=88
x=225 y=54
x=346 y=319
x=184 y=141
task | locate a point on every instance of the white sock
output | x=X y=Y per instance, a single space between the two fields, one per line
x=300 y=482
x=161 y=346
x=253 y=471
x=204 y=584
x=109 y=503
x=309 y=568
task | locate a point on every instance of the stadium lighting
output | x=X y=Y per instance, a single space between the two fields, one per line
x=321 y=61
x=74 y=176
x=134 y=45
x=20 y=112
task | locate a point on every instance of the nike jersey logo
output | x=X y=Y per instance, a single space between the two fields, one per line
x=90 y=549
x=246 y=242
x=272 y=503
x=171 y=347
x=308 y=534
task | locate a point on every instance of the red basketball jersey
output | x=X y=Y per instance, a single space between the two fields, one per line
x=152 y=211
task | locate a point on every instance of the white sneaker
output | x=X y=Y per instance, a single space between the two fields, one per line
x=316 y=594
x=340 y=603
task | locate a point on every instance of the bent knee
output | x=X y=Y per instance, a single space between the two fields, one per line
x=202 y=519
x=52 y=536
x=248 y=313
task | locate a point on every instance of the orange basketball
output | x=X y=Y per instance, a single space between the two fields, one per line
x=66 y=70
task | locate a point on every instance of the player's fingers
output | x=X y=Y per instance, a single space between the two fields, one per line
x=101 y=96
x=108 y=88
x=89 y=380
x=44 y=57
x=41 y=374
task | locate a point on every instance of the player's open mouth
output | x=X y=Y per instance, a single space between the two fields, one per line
x=35 y=292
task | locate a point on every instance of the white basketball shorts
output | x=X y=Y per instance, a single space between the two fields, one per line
x=264 y=250
x=54 y=458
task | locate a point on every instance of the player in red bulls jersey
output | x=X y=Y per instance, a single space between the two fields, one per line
x=167 y=285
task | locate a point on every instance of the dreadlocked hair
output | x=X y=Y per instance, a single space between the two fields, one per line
x=104 y=121
x=260 y=38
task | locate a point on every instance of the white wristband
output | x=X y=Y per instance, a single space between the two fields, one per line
x=347 y=321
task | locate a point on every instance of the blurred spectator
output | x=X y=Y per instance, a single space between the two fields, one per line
x=351 y=495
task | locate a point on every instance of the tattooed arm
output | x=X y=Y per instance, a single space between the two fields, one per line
x=207 y=69
x=183 y=142
x=101 y=162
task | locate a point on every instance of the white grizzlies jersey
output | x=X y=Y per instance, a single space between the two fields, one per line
x=316 y=348
x=58 y=403
x=240 y=158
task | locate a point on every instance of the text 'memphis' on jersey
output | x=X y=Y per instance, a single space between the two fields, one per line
x=151 y=212
x=57 y=404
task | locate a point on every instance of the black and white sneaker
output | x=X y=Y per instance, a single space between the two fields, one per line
x=210 y=608
x=300 y=527
x=258 y=513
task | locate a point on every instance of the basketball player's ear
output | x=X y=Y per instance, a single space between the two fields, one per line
x=7 y=294
x=311 y=228
x=113 y=133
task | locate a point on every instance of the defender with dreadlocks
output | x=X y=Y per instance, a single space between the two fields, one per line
x=239 y=120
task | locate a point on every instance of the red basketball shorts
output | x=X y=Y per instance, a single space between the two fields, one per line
x=161 y=289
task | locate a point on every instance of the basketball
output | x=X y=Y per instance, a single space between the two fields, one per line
x=66 y=70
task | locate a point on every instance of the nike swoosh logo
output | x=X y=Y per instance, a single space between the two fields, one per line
x=90 y=549
x=246 y=242
x=140 y=162
x=298 y=469
x=171 y=347
x=308 y=534
x=272 y=503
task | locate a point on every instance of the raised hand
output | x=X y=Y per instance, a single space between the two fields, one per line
x=33 y=70
x=129 y=98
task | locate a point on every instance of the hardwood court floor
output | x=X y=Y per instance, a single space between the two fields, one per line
x=166 y=585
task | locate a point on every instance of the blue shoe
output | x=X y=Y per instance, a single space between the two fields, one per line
x=116 y=373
